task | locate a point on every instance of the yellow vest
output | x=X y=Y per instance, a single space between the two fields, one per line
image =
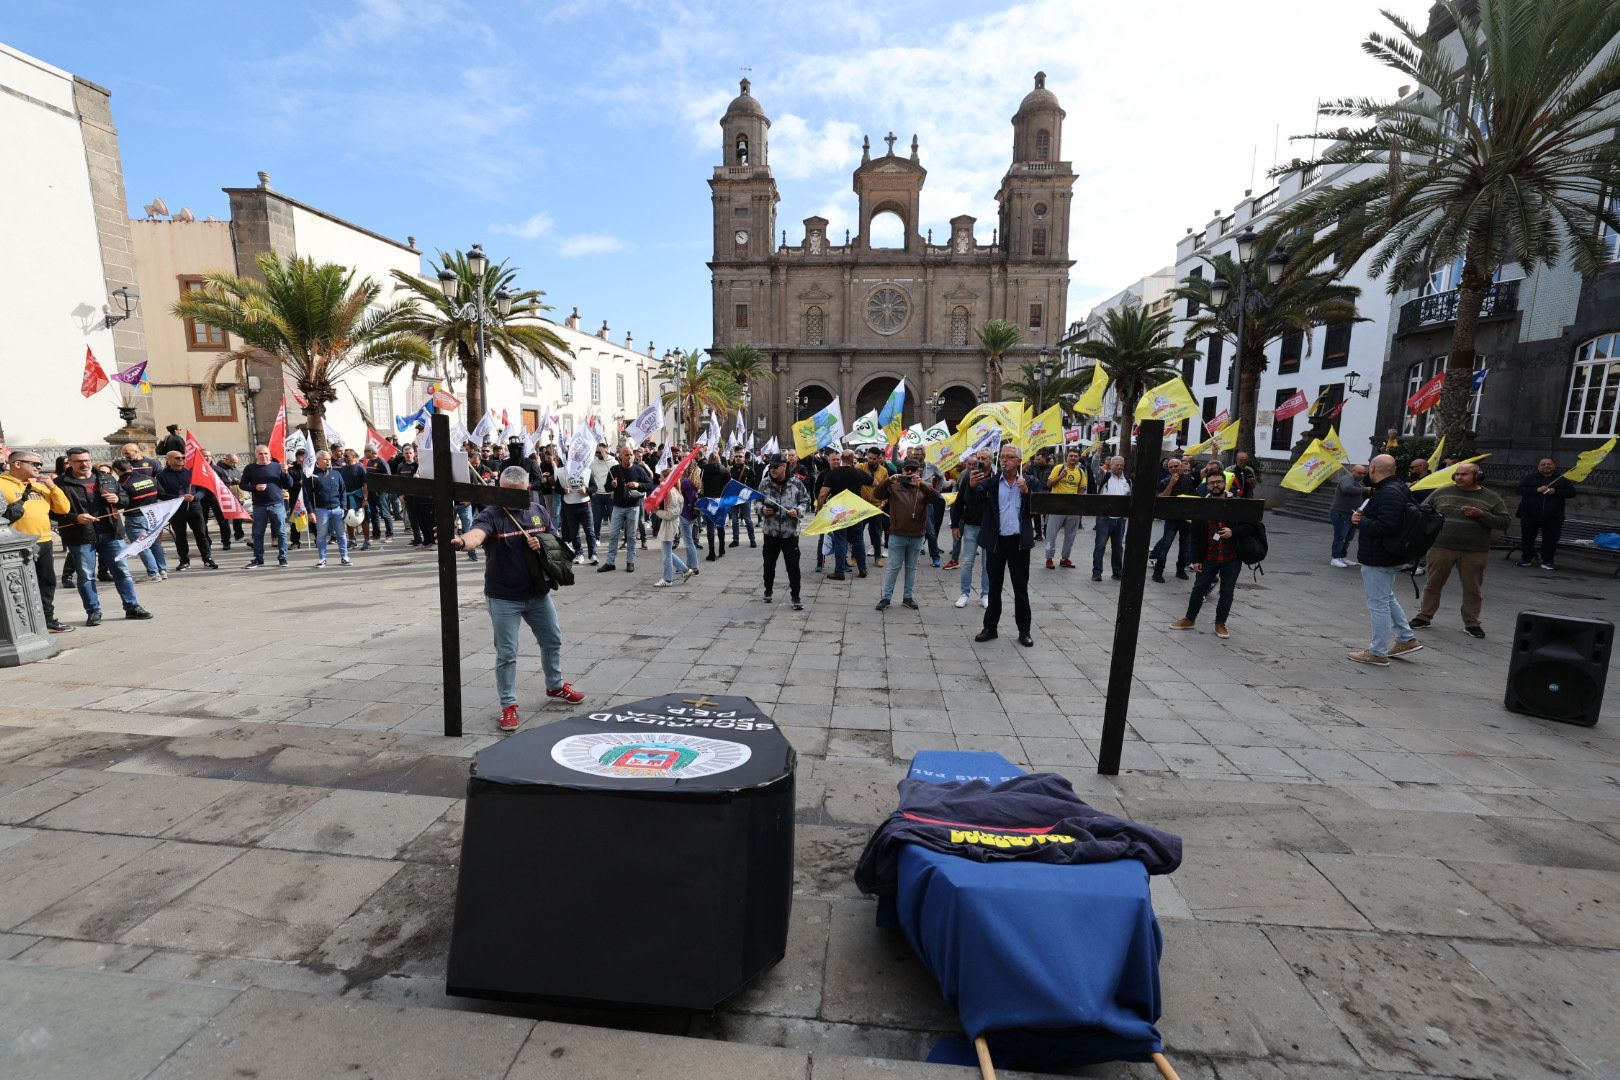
x=41 y=502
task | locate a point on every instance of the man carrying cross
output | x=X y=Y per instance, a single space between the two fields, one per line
x=517 y=595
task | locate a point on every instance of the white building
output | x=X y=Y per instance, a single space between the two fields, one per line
x=67 y=252
x=1343 y=361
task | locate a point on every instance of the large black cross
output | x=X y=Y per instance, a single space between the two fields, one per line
x=443 y=489
x=1139 y=508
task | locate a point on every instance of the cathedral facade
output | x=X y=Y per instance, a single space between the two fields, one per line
x=849 y=319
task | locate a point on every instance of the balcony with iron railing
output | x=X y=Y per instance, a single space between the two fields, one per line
x=1440 y=309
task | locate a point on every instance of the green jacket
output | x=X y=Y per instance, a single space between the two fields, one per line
x=1461 y=532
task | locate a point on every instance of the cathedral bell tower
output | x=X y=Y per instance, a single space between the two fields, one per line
x=744 y=193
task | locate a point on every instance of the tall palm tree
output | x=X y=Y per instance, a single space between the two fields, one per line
x=313 y=319
x=698 y=389
x=513 y=339
x=746 y=365
x=1134 y=349
x=1302 y=298
x=997 y=336
x=1027 y=387
x=1505 y=153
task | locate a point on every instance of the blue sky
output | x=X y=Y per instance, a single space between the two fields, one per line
x=574 y=138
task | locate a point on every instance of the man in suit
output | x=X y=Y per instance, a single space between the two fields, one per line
x=1007 y=533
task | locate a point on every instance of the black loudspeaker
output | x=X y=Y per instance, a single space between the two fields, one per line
x=1558 y=667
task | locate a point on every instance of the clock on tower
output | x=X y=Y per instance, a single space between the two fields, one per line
x=741 y=239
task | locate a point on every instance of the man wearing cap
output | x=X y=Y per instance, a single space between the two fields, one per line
x=909 y=500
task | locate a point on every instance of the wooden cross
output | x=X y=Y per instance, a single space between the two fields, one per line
x=1140 y=508
x=701 y=702
x=443 y=489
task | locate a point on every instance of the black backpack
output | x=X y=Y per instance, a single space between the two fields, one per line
x=1420 y=527
x=1251 y=544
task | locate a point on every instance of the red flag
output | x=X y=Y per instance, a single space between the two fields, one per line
x=656 y=499
x=1428 y=395
x=1218 y=421
x=94 y=378
x=1293 y=406
x=444 y=400
x=1339 y=408
x=289 y=388
x=379 y=445
x=278 y=434
x=204 y=476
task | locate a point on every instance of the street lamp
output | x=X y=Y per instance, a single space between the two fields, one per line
x=1045 y=368
x=1248 y=243
x=476 y=309
x=984 y=393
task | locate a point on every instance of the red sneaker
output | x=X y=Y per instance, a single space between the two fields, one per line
x=566 y=693
x=509 y=718
x=1066 y=564
x=1049 y=564
x=951 y=565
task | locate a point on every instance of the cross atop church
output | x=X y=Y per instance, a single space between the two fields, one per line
x=889 y=138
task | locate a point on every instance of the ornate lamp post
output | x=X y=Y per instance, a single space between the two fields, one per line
x=476 y=309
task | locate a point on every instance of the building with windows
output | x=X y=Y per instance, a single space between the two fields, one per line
x=1151 y=293
x=68 y=271
x=850 y=319
x=1342 y=362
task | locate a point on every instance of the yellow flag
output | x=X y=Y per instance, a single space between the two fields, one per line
x=1091 y=401
x=1313 y=467
x=968 y=434
x=1169 y=401
x=1438 y=456
x=1199 y=448
x=1007 y=415
x=1044 y=430
x=1442 y=478
x=943 y=454
x=1332 y=444
x=1225 y=438
x=949 y=497
x=804 y=437
x=840 y=512
x=1587 y=460
x=1096 y=445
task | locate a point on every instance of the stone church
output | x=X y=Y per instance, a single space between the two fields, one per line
x=851 y=318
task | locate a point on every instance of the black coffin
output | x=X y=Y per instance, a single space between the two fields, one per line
x=638 y=855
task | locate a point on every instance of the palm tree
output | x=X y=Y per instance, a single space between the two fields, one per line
x=1300 y=299
x=745 y=364
x=997 y=336
x=513 y=338
x=1027 y=387
x=1505 y=153
x=1134 y=349
x=312 y=319
x=700 y=388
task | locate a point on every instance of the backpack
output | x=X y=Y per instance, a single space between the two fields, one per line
x=1420 y=527
x=1251 y=544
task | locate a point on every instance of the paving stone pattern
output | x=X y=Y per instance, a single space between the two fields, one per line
x=228 y=836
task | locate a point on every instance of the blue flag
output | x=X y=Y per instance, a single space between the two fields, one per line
x=1479 y=379
x=736 y=493
x=422 y=416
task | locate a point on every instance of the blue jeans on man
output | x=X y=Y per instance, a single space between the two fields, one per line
x=464 y=516
x=903 y=552
x=506 y=618
x=742 y=515
x=969 y=542
x=1109 y=529
x=153 y=558
x=1343 y=531
x=84 y=559
x=274 y=515
x=625 y=519
x=689 y=538
x=842 y=541
x=1389 y=623
x=378 y=519
x=328 y=521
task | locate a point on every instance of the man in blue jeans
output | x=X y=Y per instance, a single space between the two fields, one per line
x=1215 y=559
x=629 y=483
x=1380 y=523
x=1111 y=529
x=1348 y=492
x=966 y=513
x=517 y=596
x=267 y=484
x=93 y=528
x=326 y=497
x=909 y=500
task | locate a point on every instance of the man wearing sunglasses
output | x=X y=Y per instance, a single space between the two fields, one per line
x=31 y=497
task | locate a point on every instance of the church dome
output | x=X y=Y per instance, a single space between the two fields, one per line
x=1038 y=99
x=745 y=104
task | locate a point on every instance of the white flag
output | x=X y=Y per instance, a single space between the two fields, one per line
x=771 y=447
x=157 y=515
x=666 y=459
x=485 y=425
x=580 y=449
x=459 y=435
x=332 y=436
x=642 y=427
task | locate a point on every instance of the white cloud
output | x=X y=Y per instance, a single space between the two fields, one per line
x=531 y=228
x=800 y=149
x=590 y=244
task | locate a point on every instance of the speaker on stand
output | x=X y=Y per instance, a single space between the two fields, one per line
x=1558 y=666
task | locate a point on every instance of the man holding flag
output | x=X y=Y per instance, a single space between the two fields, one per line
x=93 y=528
x=787 y=501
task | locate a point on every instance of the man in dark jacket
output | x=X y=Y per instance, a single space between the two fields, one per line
x=266 y=484
x=325 y=497
x=966 y=514
x=1007 y=532
x=1380 y=524
x=1214 y=559
x=909 y=501
x=714 y=479
x=744 y=472
x=174 y=482
x=629 y=482
x=93 y=529
x=1541 y=512
x=846 y=477
x=139 y=490
x=172 y=441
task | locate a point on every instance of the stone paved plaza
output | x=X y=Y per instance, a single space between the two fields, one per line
x=228 y=836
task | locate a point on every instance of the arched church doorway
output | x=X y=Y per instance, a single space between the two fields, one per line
x=957 y=401
x=873 y=395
